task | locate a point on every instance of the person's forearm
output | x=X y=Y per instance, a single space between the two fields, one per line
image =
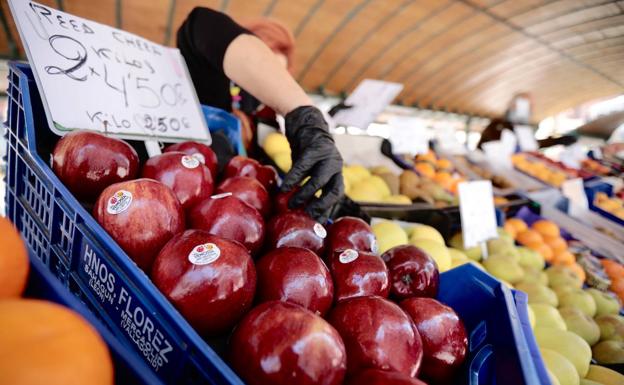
x=255 y=68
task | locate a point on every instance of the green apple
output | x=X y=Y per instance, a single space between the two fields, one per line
x=559 y=275
x=530 y=258
x=425 y=232
x=568 y=344
x=533 y=275
x=457 y=242
x=606 y=303
x=504 y=267
x=560 y=367
x=580 y=299
x=531 y=314
x=389 y=234
x=457 y=255
x=611 y=327
x=581 y=324
x=501 y=246
x=604 y=376
x=547 y=316
x=585 y=381
x=609 y=352
x=439 y=252
x=561 y=290
x=504 y=235
x=552 y=378
x=538 y=293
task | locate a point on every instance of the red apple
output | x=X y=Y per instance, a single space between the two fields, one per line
x=242 y=166
x=249 y=190
x=229 y=217
x=358 y=273
x=200 y=151
x=377 y=334
x=296 y=275
x=443 y=335
x=413 y=273
x=382 y=377
x=351 y=233
x=282 y=199
x=209 y=279
x=141 y=215
x=296 y=229
x=87 y=162
x=280 y=343
x=189 y=179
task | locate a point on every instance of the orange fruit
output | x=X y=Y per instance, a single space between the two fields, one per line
x=617 y=286
x=425 y=169
x=44 y=343
x=563 y=258
x=510 y=229
x=557 y=244
x=444 y=179
x=444 y=164
x=578 y=270
x=14 y=262
x=546 y=228
x=500 y=200
x=430 y=156
x=543 y=249
x=529 y=236
x=613 y=269
x=519 y=224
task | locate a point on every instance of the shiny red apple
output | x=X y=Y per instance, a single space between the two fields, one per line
x=141 y=215
x=413 y=273
x=210 y=280
x=296 y=229
x=296 y=275
x=358 y=273
x=377 y=334
x=444 y=338
x=242 y=166
x=382 y=377
x=189 y=179
x=229 y=217
x=249 y=190
x=351 y=233
x=87 y=162
x=280 y=203
x=200 y=151
x=280 y=343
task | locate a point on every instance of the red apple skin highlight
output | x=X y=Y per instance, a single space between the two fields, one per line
x=357 y=274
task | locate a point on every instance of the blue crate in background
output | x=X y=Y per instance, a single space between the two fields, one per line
x=219 y=120
x=499 y=351
x=594 y=187
x=130 y=369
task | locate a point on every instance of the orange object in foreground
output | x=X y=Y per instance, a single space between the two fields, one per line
x=14 y=262
x=44 y=343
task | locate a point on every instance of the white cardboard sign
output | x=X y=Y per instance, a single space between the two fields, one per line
x=368 y=100
x=92 y=76
x=408 y=135
x=476 y=208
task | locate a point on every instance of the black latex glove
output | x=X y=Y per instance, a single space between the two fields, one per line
x=314 y=154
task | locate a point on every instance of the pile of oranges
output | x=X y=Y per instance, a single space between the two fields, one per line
x=42 y=342
x=439 y=170
x=544 y=237
x=615 y=272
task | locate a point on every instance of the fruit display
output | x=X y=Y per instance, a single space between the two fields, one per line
x=498 y=181
x=612 y=205
x=539 y=170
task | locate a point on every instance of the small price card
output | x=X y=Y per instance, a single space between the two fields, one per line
x=478 y=217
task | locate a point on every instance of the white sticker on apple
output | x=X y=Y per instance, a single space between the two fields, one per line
x=348 y=256
x=204 y=254
x=222 y=195
x=320 y=230
x=190 y=161
x=119 y=202
x=374 y=246
x=200 y=157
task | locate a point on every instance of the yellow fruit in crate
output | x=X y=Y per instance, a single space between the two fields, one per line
x=389 y=234
x=572 y=347
x=457 y=255
x=579 y=299
x=552 y=378
x=504 y=267
x=380 y=170
x=437 y=251
x=457 y=242
x=275 y=143
x=355 y=173
x=547 y=316
x=560 y=367
x=398 y=200
x=604 y=375
x=365 y=192
x=14 y=263
x=585 y=381
x=283 y=161
x=531 y=317
x=538 y=293
x=425 y=232
x=379 y=184
x=580 y=324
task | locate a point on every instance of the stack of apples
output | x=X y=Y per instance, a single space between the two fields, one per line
x=302 y=303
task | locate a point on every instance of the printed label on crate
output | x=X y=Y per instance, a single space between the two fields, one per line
x=204 y=254
x=101 y=78
x=142 y=328
x=319 y=230
x=190 y=161
x=119 y=202
x=200 y=157
x=348 y=256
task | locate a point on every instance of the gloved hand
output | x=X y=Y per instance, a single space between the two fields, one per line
x=314 y=154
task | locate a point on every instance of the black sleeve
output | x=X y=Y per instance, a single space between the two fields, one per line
x=203 y=39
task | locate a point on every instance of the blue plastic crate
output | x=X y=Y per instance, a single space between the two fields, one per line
x=594 y=187
x=130 y=369
x=86 y=260
x=228 y=124
x=499 y=351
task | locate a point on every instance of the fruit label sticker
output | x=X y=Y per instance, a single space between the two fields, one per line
x=119 y=202
x=348 y=256
x=374 y=246
x=320 y=230
x=204 y=254
x=190 y=161
x=200 y=157
x=221 y=196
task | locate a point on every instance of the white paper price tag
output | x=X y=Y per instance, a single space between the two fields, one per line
x=408 y=135
x=92 y=76
x=574 y=190
x=369 y=99
x=476 y=207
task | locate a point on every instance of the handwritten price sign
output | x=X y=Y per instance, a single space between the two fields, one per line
x=96 y=77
